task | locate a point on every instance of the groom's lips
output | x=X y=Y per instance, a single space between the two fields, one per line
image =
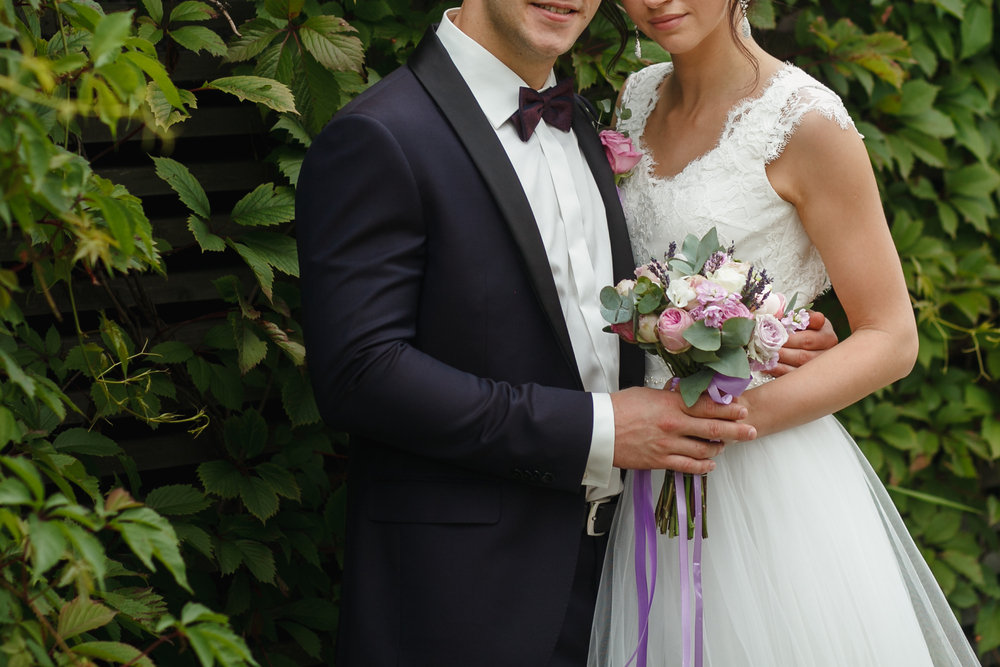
x=560 y=12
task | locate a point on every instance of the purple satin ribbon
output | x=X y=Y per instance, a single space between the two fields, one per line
x=645 y=544
x=722 y=389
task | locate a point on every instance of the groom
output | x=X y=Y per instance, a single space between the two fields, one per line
x=452 y=247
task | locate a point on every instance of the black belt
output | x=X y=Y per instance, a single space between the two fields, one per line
x=601 y=513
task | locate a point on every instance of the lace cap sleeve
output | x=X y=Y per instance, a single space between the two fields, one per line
x=808 y=95
x=641 y=95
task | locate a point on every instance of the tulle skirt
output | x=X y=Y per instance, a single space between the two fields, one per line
x=807 y=564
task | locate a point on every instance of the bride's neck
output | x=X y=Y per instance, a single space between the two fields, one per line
x=716 y=72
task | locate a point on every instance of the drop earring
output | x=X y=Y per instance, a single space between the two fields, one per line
x=638 y=46
x=745 y=24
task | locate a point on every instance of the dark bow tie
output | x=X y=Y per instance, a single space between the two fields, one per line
x=554 y=105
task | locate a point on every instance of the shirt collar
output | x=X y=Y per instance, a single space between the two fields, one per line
x=494 y=85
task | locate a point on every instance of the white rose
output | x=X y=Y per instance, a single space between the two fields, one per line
x=731 y=276
x=647 y=328
x=624 y=287
x=774 y=305
x=681 y=292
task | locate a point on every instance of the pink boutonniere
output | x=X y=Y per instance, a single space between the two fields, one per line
x=622 y=155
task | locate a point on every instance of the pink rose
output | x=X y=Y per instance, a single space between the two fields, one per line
x=625 y=331
x=769 y=334
x=733 y=307
x=671 y=326
x=647 y=328
x=621 y=154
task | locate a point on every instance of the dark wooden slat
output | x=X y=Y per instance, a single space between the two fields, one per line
x=179 y=288
x=213 y=176
x=207 y=122
x=157 y=452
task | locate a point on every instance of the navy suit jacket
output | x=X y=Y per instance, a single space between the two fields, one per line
x=436 y=340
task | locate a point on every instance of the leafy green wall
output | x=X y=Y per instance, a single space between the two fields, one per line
x=246 y=549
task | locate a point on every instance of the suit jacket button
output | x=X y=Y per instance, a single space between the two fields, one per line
x=548 y=478
x=536 y=476
x=515 y=475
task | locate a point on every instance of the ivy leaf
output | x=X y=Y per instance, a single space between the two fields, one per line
x=171 y=352
x=298 y=400
x=268 y=92
x=164 y=113
x=196 y=38
x=266 y=205
x=82 y=441
x=155 y=9
x=281 y=480
x=246 y=435
x=976 y=29
x=191 y=10
x=109 y=37
x=313 y=612
x=221 y=478
x=229 y=556
x=284 y=9
x=47 y=545
x=255 y=36
x=975 y=180
x=277 y=250
x=227 y=386
x=294 y=128
x=184 y=184
x=81 y=615
x=258 y=559
x=295 y=351
x=150 y=536
x=259 y=498
x=113 y=652
x=177 y=499
x=305 y=638
x=260 y=267
x=154 y=69
x=324 y=38
x=250 y=349
x=196 y=537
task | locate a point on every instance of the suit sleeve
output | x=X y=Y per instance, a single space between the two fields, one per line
x=362 y=237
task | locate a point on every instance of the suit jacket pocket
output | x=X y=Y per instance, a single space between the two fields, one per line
x=434 y=501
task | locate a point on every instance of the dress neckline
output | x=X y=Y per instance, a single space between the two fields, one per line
x=741 y=106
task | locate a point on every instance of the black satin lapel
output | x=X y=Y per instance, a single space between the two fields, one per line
x=433 y=67
x=631 y=372
x=593 y=151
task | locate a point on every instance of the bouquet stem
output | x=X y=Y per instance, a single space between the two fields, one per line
x=666 y=514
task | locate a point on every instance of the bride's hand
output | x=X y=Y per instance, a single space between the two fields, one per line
x=804 y=346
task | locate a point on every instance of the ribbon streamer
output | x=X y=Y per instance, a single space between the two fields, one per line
x=722 y=389
x=645 y=545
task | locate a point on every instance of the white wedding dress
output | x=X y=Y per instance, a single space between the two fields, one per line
x=807 y=562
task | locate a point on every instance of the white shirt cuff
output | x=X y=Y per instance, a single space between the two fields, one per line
x=602 y=444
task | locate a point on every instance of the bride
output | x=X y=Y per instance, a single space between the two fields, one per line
x=808 y=563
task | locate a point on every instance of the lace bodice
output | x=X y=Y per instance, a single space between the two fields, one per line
x=728 y=187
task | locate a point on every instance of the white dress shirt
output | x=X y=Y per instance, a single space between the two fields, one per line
x=571 y=218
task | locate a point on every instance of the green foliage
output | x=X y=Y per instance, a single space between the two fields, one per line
x=259 y=533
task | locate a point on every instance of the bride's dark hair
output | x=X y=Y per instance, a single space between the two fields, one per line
x=616 y=16
x=735 y=31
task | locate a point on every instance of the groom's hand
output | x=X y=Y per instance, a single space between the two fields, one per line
x=655 y=430
x=804 y=346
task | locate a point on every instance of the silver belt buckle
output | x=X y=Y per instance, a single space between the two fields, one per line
x=592 y=516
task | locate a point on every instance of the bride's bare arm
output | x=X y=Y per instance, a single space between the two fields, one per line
x=825 y=172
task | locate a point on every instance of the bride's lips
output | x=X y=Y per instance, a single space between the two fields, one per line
x=666 y=22
x=560 y=12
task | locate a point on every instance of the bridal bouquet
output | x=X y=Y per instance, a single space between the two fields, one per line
x=712 y=319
